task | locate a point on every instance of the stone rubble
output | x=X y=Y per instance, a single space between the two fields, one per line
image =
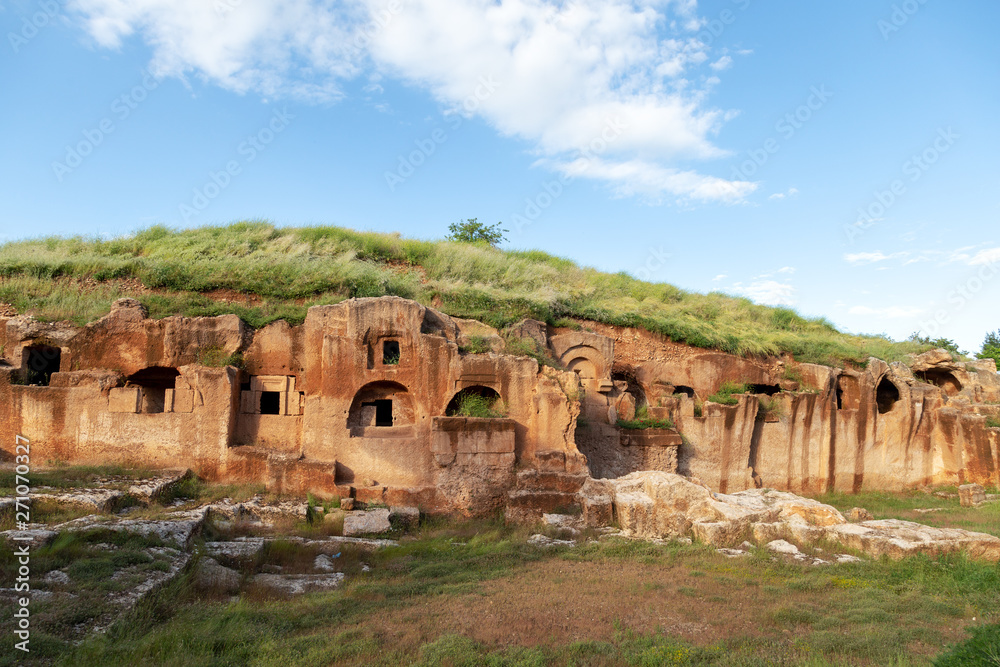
x=655 y=504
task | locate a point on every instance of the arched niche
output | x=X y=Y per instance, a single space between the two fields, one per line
x=489 y=398
x=583 y=367
x=153 y=383
x=941 y=377
x=380 y=404
x=585 y=361
x=886 y=395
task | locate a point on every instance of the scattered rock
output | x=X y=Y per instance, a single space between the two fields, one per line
x=653 y=504
x=57 y=577
x=970 y=495
x=367 y=522
x=35 y=536
x=177 y=530
x=856 y=514
x=150 y=490
x=847 y=558
x=347 y=504
x=297 y=584
x=101 y=500
x=209 y=575
x=257 y=510
x=928 y=510
x=783 y=547
x=244 y=548
x=324 y=563
x=544 y=542
x=731 y=553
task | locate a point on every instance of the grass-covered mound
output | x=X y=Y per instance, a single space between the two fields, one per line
x=284 y=271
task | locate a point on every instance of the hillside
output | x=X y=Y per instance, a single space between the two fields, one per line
x=264 y=273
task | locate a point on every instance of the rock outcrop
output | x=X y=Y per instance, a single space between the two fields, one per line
x=657 y=505
x=363 y=401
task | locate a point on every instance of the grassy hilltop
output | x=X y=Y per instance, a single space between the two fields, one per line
x=264 y=273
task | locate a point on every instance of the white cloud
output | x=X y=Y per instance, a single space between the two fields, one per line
x=988 y=256
x=719 y=277
x=553 y=74
x=892 y=312
x=650 y=180
x=787 y=269
x=722 y=63
x=782 y=195
x=768 y=292
x=860 y=258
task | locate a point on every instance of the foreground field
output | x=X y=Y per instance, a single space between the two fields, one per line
x=477 y=593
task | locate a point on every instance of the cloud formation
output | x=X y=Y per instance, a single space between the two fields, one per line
x=768 y=292
x=558 y=73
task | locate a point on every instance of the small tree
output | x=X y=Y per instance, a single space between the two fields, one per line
x=991 y=347
x=473 y=231
x=945 y=343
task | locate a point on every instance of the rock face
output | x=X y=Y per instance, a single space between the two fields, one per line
x=360 y=402
x=663 y=505
x=345 y=404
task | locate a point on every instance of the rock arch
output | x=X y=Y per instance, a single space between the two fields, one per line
x=380 y=404
x=488 y=393
x=153 y=383
x=941 y=377
x=886 y=395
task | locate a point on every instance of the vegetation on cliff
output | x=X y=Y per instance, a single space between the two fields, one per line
x=264 y=273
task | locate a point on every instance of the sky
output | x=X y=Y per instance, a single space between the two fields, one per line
x=836 y=156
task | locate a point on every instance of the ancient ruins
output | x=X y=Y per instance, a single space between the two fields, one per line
x=356 y=402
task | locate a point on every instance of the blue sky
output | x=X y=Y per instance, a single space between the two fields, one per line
x=836 y=157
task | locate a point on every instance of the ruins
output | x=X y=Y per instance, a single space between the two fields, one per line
x=359 y=401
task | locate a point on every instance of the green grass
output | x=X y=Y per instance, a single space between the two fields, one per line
x=728 y=392
x=948 y=512
x=992 y=422
x=290 y=269
x=474 y=405
x=643 y=421
x=78 y=476
x=643 y=424
x=476 y=345
x=866 y=613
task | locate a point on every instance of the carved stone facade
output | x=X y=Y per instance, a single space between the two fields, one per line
x=359 y=400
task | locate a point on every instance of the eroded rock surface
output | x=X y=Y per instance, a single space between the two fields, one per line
x=655 y=504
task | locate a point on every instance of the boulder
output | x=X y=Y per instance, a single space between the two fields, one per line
x=939 y=358
x=970 y=495
x=209 y=575
x=856 y=514
x=656 y=505
x=367 y=522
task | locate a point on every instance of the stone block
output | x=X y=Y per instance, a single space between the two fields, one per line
x=180 y=400
x=970 y=495
x=367 y=522
x=124 y=399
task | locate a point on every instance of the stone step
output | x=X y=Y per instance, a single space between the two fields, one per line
x=530 y=505
x=540 y=480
